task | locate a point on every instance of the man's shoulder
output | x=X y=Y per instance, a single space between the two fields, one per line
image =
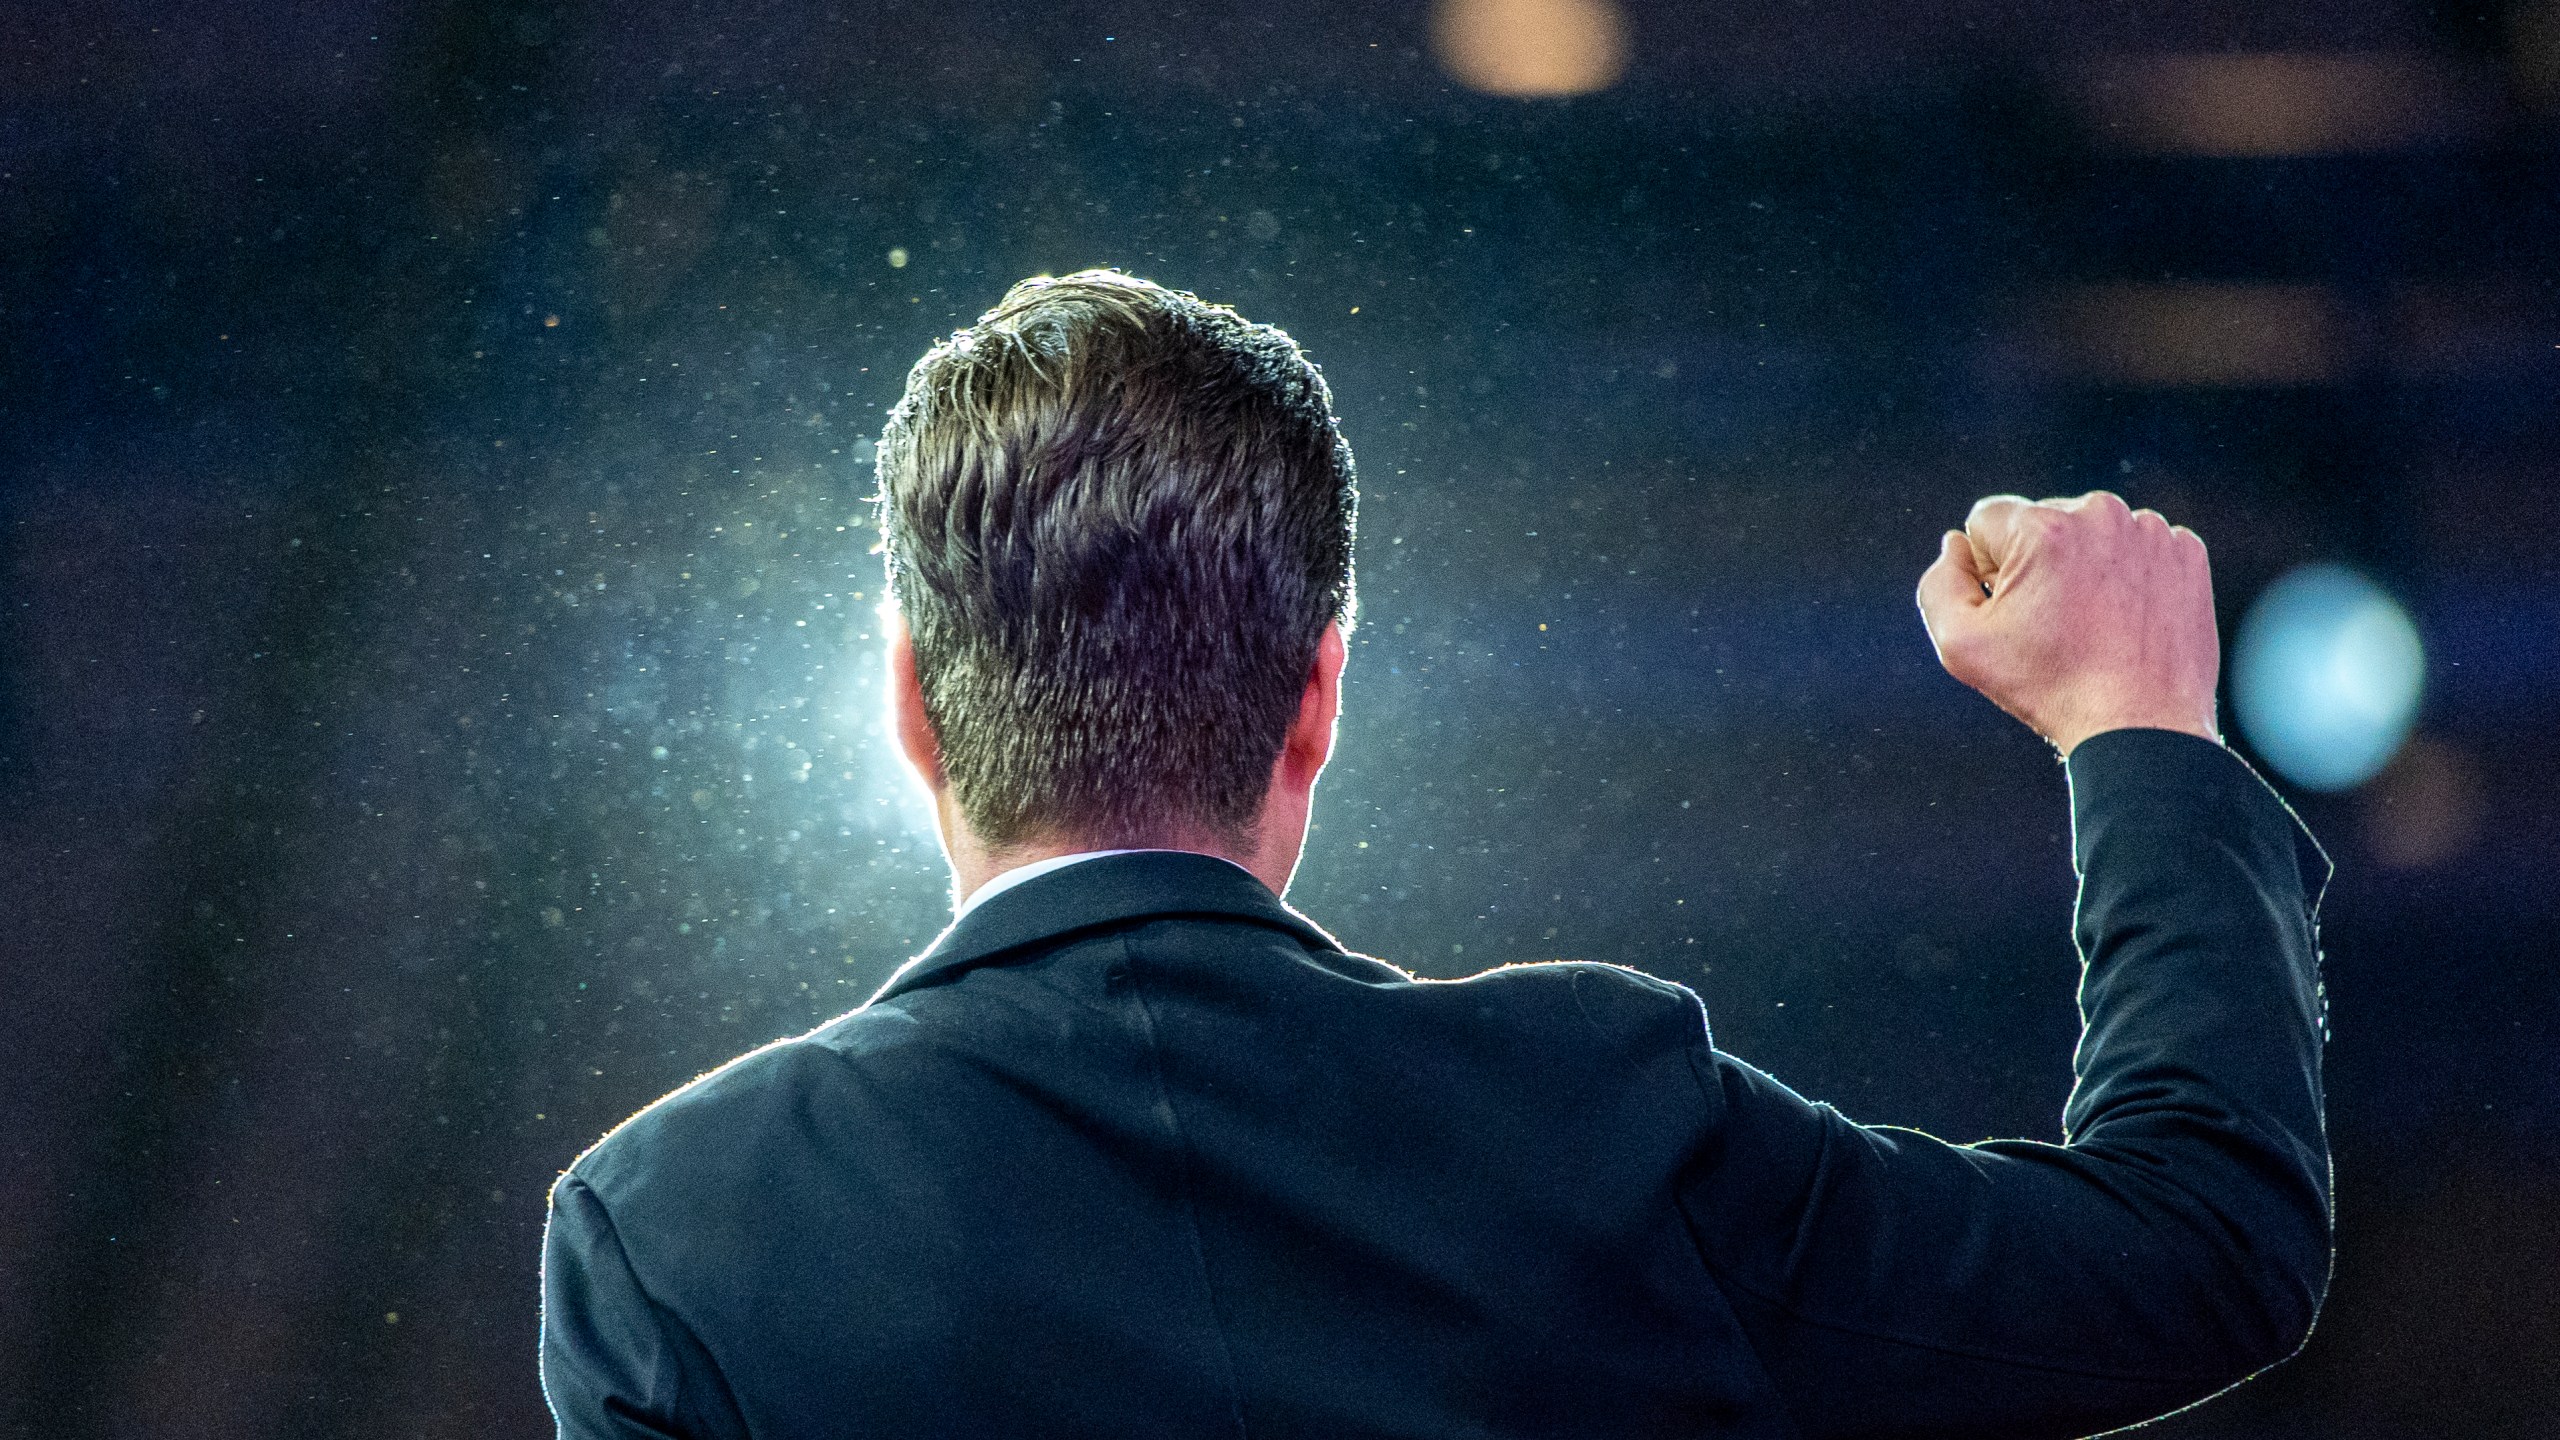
x=1604 y=996
x=1613 y=1002
x=725 y=1116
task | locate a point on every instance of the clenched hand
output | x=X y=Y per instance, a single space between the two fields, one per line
x=2077 y=616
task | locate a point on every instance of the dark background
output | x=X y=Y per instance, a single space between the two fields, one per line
x=436 y=699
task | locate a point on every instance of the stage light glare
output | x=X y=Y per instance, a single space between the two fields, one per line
x=1529 y=49
x=2255 y=105
x=2327 y=676
x=2202 y=335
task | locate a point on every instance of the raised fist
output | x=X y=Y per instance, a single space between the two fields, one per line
x=2077 y=616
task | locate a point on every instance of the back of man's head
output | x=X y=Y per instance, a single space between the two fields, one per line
x=1118 y=521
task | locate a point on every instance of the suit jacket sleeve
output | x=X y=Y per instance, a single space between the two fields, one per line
x=615 y=1365
x=1893 y=1284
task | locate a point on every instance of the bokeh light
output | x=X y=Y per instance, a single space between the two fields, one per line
x=1531 y=48
x=2266 y=104
x=2211 y=335
x=2425 y=808
x=2327 y=677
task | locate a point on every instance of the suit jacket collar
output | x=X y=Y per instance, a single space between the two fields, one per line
x=1111 y=890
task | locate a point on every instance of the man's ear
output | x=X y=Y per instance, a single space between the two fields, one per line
x=906 y=707
x=1310 y=741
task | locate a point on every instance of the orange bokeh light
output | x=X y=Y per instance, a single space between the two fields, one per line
x=1531 y=48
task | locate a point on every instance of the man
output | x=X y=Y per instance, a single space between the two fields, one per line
x=1134 y=1149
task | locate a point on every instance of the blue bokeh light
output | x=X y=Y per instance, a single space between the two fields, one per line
x=2327 y=676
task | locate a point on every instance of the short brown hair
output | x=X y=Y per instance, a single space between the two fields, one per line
x=1118 y=520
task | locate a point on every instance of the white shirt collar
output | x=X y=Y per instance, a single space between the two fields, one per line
x=1037 y=868
x=1033 y=871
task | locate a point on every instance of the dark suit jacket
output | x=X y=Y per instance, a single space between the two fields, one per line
x=1136 y=1150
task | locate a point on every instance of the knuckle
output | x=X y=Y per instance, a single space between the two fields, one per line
x=1994 y=504
x=2110 y=513
x=2097 y=504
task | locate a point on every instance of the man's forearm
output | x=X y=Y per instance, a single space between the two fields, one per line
x=2202 y=1007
